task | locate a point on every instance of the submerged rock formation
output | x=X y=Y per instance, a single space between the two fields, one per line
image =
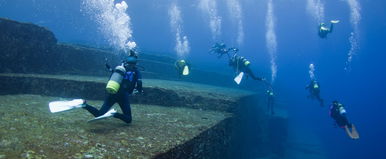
x=174 y=119
x=25 y=47
x=28 y=48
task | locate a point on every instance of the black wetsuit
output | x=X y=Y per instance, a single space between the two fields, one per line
x=339 y=116
x=131 y=80
x=180 y=67
x=323 y=33
x=314 y=89
x=271 y=101
x=241 y=64
x=219 y=49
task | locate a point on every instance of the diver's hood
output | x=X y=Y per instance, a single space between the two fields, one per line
x=131 y=60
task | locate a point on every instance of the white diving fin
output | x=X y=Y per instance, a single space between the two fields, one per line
x=239 y=77
x=335 y=21
x=185 y=72
x=59 y=106
x=110 y=113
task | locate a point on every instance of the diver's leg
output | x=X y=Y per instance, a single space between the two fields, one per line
x=343 y=122
x=268 y=104
x=124 y=103
x=354 y=132
x=108 y=103
x=331 y=27
x=271 y=107
x=179 y=72
x=250 y=73
x=320 y=100
x=347 y=130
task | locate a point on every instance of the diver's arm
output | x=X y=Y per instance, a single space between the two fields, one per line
x=109 y=68
x=308 y=86
x=176 y=64
x=139 y=82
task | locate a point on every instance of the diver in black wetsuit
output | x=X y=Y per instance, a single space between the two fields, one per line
x=220 y=49
x=241 y=64
x=338 y=113
x=131 y=82
x=314 y=89
x=324 y=30
x=271 y=101
x=181 y=65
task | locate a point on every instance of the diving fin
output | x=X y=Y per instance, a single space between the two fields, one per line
x=110 y=113
x=59 y=106
x=334 y=21
x=239 y=77
x=185 y=72
x=354 y=132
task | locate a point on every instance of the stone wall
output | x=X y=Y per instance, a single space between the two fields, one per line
x=28 y=48
x=25 y=47
x=95 y=90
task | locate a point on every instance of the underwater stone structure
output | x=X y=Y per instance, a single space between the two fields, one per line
x=25 y=47
x=226 y=138
x=158 y=92
x=34 y=63
x=28 y=48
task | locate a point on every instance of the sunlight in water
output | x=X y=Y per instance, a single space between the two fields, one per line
x=354 y=36
x=114 y=22
x=316 y=9
x=182 y=44
x=235 y=12
x=209 y=9
x=270 y=37
x=311 y=71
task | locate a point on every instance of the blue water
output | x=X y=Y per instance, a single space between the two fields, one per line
x=362 y=89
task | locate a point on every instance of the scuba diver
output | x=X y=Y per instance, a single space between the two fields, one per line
x=220 y=49
x=314 y=89
x=241 y=66
x=324 y=30
x=338 y=113
x=183 y=68
x=125 y=80
x=271 y=101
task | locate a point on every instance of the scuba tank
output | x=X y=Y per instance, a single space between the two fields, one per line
x=316 y=86
x=116 y=78
x=341 y=109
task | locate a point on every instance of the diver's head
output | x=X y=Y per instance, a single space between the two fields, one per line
x=335 y=103
x=133 y=53
x=130 y=62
